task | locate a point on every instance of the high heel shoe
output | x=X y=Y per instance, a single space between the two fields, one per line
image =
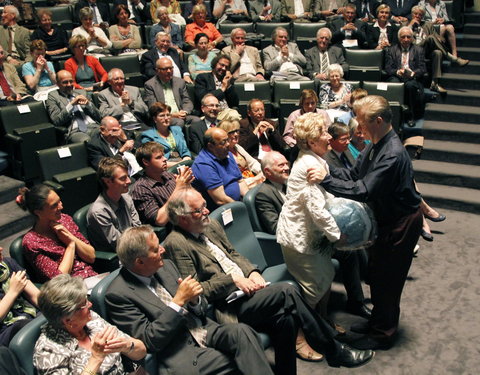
x=437 y=219
x=426 y=236
x=309 y=354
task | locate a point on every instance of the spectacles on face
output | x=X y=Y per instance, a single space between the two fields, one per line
x=212 y=105
x=85 y=305
x=165 y=69
x=200 y=210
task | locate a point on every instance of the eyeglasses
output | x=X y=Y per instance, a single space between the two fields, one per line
x=165 y=69
x=212 y=105
x=234 y=131
x=84 y=306
x=200 y=210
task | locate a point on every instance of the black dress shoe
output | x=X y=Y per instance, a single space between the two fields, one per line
x=426 y=236
x=348 y=357
x=360 y=327
x=359 y=309
x=437 y=219
x=373 y=343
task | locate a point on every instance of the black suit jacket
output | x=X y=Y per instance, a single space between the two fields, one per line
x=373 y=33
x=150 y=58
x=195 y=136
x=205 y=84
x=333 y=160
x=135 y=310
x=98 y=148
x=372 y=6
x=416 y=61
x=269 y=203
x=251 y=143
x=404 y=11
x=139 y=15
x=338 y=35
x=103 y=8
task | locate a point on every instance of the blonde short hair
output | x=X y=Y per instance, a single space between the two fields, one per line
x=307 y=127
x=373 y=106
x=229 y=125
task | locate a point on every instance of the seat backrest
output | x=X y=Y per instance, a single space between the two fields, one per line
x=240 y=233
x=60 y=14
x=80 y=218
x=12 y=118
x=97 y=296
x=16 y=252
x=51 y=163
x=392 y=91
x=249 y=201
x=306 y=30
x=266 y=28
x=226 y=28
x=23 y=343
x=128 y=63
x=174 y=169
x=364 y=58
x=290 y=89
x=250 y=90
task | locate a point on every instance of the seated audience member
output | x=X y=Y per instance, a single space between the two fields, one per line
x=173 y=323
x=54 y=245
x=125 y=36
x=12 y=89
x=97 y=42
x=70 y=108
x=166 y=88
x=320 y=57
x=173 y=8
x=113 y=211
x=200 y=247
x=283 y=60
x=355 y=95
x=366 y=10
x=216 y=172
x=18 y=299
x=100 y=12
x=109 y=141
x=246 y=63
x=230 y=11
x=76 y=340
x=358 y=140
x=200 y=25
x=166 y=25
x=259 y=135
x=169 y=136
x=329 y=9
x=400 y=9
x=339 y=156
x=347 y=30
x=335 y=95
x=14 y=39
x=201 y=60
x=152 y=191
x=219 y=83
x=298 y=11
x=27 y=13
x=210 y=109
x=265 y=11
x=55 y=37
x=188 y=8
x=434 y=46
x=405 y=62
x=308 y=103
x=382 y=33
x=249 y=167
x=39 y=74
x=122 y=101
x=163 y=48
x=86 y=70
x=139 y=11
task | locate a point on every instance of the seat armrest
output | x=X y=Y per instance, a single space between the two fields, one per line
x=271 y=249
x=13 y=138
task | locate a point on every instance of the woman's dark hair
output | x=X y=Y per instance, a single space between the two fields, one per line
x=198 y=36
x=34 y=198
x=119 y=8
x=157 y=108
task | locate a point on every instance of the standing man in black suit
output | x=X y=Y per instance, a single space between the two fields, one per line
x=219 y=83
x=100 y=9
x=139 y=12
x=150 y=301
x=348 y=30
x=163 y=48
x=405 y=62
x=210 y=109
x=339 y=156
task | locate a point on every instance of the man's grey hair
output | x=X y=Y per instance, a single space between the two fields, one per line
x=133 y=244
x=268 y=160
x=161 y=8
x=177 y=206
x=277 y=29
x=405 y=28
x=60 y=297
x=236 y=30
x=204 y=99
x=325 y=29
x=12 y=9
x=113 y=70
x=162 y=33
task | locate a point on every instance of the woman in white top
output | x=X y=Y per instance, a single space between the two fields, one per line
x=306 y=230
x=97 y=42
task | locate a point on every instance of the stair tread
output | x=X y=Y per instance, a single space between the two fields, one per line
x=449 y=146
x=467 y=49
x=461 y=76
x=464 y=92
x=453 y=193
x=11 y=212
x=440 y=167
x=471 y=36
x=452 y=108
x=451 y=126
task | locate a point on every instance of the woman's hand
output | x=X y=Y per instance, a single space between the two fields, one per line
x=100 y=342
x=62 y=233
x=18 y=282
x=315 y=175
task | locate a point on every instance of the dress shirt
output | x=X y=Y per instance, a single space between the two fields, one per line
x=229 y=267
x=176 y=69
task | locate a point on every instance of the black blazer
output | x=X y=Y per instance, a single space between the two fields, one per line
x=150 y=58
x=195 y=136
x=373 y=33
x=268 y=202
x=103 y=8
x=333 y=160
x=140 y=16
x=205 y=84
x=338 y=35
x=416 y=61
x=251 y=143
x=97 y=149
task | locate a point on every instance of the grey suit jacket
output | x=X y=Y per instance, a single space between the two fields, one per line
x=335 y=56
x=56 y=107
x=325 y=5
x=268 y=202
x=21 y=41
x=110 y=105
x=252 y=54
x=256 y=8
x=288 y=6
x=135 y=310
x=271 y=63
x=17 y=86
x=154 y=93
x=333 y=160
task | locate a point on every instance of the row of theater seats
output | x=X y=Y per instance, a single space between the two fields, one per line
x=260 y=248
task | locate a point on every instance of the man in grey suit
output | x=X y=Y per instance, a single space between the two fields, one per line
x=298 y=11
x=339 y=156
x=14 y=39
x=166 y=88
x=262 y=11
x=283 y=60
x=329 y=9
x=322 y=55
x=71 y=109
x=150 y=301
x=122 y=102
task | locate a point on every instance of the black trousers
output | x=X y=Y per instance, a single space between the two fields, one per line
x=389 y=261
x=414 y=96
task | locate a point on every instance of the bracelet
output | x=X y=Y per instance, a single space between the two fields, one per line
x=132 y=346
x=88 y=371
